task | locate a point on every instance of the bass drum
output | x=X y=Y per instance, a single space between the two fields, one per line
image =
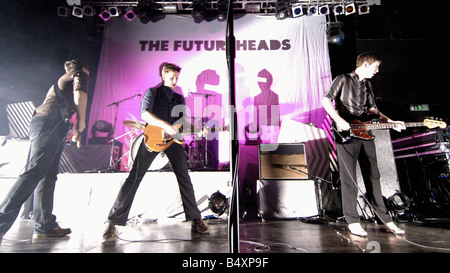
x=161 y=161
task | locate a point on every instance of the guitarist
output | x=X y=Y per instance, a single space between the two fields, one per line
x=353 y=97
x=156 y=109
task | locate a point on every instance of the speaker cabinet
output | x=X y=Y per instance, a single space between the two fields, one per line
x=282 y=161
x=286 y=199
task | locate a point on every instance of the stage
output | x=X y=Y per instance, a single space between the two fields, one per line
x=156 y=225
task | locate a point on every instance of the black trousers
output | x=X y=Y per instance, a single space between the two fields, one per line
x=39 y=176
x=177 y=158
x=364 y=152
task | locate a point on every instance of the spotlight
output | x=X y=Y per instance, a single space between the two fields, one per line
x=324 y=10
x=339 y=9
x=297 y=10
x=218 y=203
x=198 y=11
x=350 y=9
x=130 y=15
x=398 y=202
x=105 y=15
x=312 y=10
x=113 y=11
x=281 y=10
x=77 y=12
x=88 y=11
x=363 y=9
x=63 y=11
x=252 y=8
x=222 y=9
x=170 y=8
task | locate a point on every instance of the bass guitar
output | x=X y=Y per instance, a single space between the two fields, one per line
x=157 y=140
x=360 y=129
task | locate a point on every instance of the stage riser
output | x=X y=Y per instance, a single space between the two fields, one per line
x=89 y=197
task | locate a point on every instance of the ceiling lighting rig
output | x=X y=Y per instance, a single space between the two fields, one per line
x=212 y=9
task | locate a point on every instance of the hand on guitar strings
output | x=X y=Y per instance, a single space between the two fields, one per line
x=399 y=125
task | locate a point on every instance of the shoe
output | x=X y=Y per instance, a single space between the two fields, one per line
x=356 y=229
x=200 y=227
x=391 y=227
x=56 y=232
x=109 y=234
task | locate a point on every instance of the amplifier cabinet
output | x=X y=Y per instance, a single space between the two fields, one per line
x=282 y=161
x=286 y=199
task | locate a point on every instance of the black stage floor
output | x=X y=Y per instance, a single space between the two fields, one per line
x=274 y=236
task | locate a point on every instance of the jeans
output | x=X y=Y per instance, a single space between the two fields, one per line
x=177 y=158
x=39 y=176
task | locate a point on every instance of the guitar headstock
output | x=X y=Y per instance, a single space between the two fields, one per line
x=431 y=123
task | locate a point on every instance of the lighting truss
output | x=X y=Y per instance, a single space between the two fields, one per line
x=267 y=7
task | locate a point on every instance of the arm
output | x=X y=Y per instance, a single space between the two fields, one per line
x=80 y=100
x=155 y=121
x=329 y=107
x=400 y=125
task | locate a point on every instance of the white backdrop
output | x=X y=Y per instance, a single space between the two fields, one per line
x=280 y=63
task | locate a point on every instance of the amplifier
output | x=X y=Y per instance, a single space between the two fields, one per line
x=282 y=161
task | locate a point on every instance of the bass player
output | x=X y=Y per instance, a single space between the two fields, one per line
x=354 y=99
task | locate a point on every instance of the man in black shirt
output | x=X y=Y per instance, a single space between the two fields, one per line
x=354 y=99
x=157 y=107
x=48 y=128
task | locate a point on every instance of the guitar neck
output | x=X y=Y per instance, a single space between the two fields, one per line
x=380 y=126
x=211 y=130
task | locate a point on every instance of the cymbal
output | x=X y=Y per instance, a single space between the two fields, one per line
x=134 y=124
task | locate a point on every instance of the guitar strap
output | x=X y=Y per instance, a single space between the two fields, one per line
x=66 y=114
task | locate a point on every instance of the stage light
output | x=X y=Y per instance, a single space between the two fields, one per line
x=113 y=11
x=105 y=15
x=218 y=203
x=350 y=9
x=363 y=9
x=339 y=9
x=222 y=10
x=63 y=11
x=297 y=10
x=252 y=8
x=130 y=15
x=281 y=10
x=312 y=10
x=198 y=11
x=398 y=202
x=171 y=8
x=77 y=12
x=324 y=10
x=88 y=11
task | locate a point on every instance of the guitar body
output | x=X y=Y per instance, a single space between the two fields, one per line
x=157 y=140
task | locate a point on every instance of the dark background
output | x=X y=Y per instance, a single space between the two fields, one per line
x=409 y=36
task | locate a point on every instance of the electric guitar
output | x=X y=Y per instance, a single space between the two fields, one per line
x=157 y=140
x=359 y=129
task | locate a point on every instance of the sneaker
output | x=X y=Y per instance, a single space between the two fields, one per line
x=109 y=234
x=56 y=232
x=200 y=227
x=391 y=227
x=357 y=229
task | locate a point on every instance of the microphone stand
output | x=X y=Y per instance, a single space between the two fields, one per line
x=233 y=219
x=112 y=164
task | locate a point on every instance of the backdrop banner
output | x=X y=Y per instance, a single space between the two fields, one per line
x=282 y=71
